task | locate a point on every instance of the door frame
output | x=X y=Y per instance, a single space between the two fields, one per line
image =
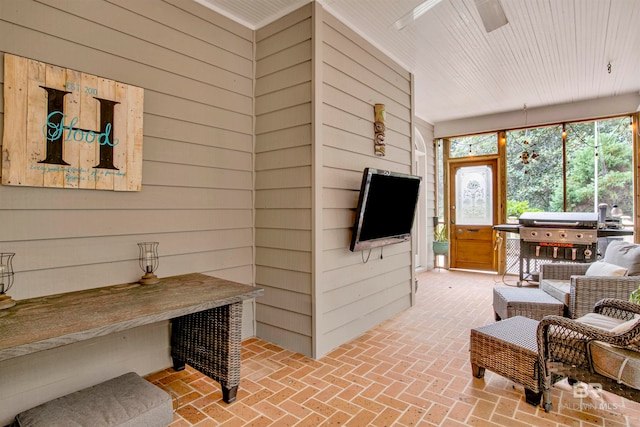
x=492 y=163
x=500 y=196
x=421 y=161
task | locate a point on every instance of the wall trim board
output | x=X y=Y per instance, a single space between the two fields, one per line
x=539 y=116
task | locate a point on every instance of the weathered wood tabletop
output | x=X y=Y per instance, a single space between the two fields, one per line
x=47 y=322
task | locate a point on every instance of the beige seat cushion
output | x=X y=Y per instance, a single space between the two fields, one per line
x=617 y=363
x=626 y=326
x=600 y=321
x=559 y=289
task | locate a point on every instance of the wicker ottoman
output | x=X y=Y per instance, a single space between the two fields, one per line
x=532 y=303
x=510 y=349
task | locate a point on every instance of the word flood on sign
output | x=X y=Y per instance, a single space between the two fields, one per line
x=68 y=129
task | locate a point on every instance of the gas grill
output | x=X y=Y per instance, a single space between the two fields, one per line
x=556 y=236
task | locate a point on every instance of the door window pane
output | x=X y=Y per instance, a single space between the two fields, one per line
x=474 y=195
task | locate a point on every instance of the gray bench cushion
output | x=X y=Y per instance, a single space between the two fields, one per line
x=127 y=400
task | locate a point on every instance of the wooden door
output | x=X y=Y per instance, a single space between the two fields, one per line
x=473 y=212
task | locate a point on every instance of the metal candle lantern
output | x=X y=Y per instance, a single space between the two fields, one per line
x=148 y=262
x=6 y=279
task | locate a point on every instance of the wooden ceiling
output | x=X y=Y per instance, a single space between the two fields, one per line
x=550 y=52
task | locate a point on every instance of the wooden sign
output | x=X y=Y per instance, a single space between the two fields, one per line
x=67 y=129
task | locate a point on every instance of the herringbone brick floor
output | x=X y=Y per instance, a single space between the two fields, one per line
x=412 y=370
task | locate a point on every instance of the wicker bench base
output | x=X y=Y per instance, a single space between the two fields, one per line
x=509 y=348
x=211 y=342
x=531 y=303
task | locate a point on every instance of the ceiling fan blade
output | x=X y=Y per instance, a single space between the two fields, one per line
x=415 y=13
x=492 y=14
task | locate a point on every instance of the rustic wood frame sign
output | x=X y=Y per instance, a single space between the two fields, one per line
x=68 y=129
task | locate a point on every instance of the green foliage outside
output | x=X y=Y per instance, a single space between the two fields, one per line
x=537 y=186
x=635 y=296
x=516 y=208
x=476 y=144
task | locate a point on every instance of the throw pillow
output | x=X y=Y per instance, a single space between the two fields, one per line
x=601 y=268
x=625 y=255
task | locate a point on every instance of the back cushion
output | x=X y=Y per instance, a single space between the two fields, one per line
x=625 y=255
x=601 y=268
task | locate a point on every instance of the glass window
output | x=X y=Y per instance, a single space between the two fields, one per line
x=440 y=167
x=475 y=145
x=599 y=165
x=534 y=170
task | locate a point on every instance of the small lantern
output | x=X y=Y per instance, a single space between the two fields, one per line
x=6 y=279
x=148 y=262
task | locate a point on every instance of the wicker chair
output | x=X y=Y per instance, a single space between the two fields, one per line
x=579 y=292
x=570 y=348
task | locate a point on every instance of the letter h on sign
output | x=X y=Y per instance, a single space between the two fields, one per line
x=55 y=126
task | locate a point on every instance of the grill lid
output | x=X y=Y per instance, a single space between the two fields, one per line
x=559 y=219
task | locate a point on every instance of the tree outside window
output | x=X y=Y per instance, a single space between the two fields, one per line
x=599 y=158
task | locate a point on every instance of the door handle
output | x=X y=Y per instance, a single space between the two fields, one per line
x=473 y=230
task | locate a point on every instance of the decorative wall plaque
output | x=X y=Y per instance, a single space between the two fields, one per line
x=68 y=129
x=379 y=129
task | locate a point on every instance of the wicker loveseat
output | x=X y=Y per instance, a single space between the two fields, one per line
x=602 y=348
x=580 y=286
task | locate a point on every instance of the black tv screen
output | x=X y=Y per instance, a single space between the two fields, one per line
x=386 y=209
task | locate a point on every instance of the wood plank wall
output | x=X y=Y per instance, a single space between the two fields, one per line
x=199 y=174
x=283 y=181
x=352 y=296
x=196 y=68
x=305 y=309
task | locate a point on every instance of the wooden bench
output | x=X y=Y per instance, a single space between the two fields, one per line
x=205 y=312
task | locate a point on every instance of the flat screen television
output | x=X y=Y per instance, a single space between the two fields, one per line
x=386 y=209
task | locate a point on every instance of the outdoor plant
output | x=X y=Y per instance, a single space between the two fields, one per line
x=440 y=233
x=635 y=296
x=516 y=208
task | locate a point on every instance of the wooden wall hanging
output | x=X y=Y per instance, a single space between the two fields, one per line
x=68 y=129
x=379 y=128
